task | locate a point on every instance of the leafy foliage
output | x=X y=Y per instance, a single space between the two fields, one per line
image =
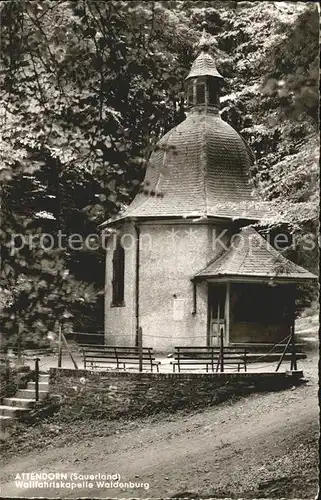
x=88 y=88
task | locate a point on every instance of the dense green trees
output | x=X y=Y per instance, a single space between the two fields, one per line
x=87 y=89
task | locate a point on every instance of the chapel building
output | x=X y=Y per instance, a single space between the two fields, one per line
x=184 y=261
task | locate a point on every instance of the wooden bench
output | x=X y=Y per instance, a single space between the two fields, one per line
x=210 y=357
x=97 y=356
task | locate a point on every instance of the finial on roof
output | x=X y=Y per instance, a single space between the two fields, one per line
x=204 y=64
x=203 y=44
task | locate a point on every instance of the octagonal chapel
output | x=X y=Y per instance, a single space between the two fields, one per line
x=183 y=261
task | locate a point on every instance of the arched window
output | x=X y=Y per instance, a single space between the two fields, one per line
x=214 y=92
x=118 y=280
x=200 y=93
x=189 y=95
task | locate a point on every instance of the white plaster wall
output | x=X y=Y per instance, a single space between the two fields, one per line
x=170 y=255
x=120 y=325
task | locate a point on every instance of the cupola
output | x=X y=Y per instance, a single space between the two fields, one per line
x=203 y=81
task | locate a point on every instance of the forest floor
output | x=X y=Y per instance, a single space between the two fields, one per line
x=260 y=446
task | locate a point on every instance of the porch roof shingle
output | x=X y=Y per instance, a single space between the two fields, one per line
x=253 y=256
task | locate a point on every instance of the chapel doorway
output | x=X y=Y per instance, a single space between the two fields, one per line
x=216 y=313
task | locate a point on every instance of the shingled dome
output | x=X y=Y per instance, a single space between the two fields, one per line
x=197 y=165
x=200 y=167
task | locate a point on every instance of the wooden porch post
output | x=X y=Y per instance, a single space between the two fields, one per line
x=227 y=313
x=208 y=336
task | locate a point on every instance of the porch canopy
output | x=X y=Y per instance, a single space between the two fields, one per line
x=251 y=291
x=251 y=258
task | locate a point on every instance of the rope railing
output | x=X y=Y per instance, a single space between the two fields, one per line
x=271 y=350
x=73 y=348
x=176 y=337
x=87 y=334
x=52 y=348
x=262 y=366
x=145 y=335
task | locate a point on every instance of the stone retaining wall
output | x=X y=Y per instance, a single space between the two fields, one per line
x=113 y=395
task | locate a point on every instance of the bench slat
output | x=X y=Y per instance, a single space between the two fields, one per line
x=120 y=361
x=119 y=348
x=210 y=356
x=119 y=355
x=114 y=361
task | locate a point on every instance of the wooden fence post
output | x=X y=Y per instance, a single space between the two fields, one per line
x=284 y=353
x=19 y=342
x=69 y=351
x=59 y=347
x=7 y=373
x=140 y=348
x=37 y=379
x=293 y=351
x=222 y=349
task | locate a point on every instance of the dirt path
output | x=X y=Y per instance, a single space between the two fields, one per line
x=262 y=445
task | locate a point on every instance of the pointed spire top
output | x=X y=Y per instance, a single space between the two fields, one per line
x=204 y=64
x=203 y=43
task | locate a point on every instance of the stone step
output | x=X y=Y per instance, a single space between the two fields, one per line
x=19 y=402
x=12 y=411
x=5 y=422
x=44 y=378
x=43 y=386
x=30 y=394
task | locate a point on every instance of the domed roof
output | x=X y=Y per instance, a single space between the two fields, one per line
x=199 y=168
